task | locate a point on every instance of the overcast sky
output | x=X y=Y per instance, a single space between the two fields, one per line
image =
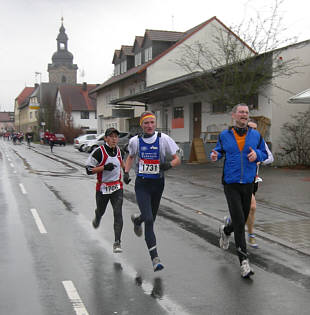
x=28 y=31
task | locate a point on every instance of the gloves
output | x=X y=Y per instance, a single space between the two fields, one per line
x=127 y=180
x=109 y=167
x=165 y=166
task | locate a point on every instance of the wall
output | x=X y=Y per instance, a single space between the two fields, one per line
x=288 y=87
x=166 y=68
x=91 y=123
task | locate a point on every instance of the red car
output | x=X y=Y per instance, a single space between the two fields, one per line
x=58 y=138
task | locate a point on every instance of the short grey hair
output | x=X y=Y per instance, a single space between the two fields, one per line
x=234 y=109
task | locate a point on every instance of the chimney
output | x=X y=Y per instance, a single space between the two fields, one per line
x=84 y=87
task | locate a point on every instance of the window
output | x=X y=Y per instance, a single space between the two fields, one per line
x=138 y=59
x=84 y=115
x=178 y=117
x=178 y=112
x=148 y=54
x=253 y=101
x=63 y=79
x=123 y=66
x=117 y=69
x=218 y=106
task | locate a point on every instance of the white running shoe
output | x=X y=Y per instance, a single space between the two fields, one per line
x=117 y=247
x=245 y=269
x=157 y=265
x=224 y=239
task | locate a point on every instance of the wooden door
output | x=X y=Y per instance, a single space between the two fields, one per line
x=197 y=120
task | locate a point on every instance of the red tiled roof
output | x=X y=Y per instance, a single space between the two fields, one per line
x=77 y=99
x=139 y=41
x=166 y=36
x=126 y=50
x=160 y=35
x=5 y=117
x=116 y=55
x=26 y=92
x=188 y=34
x=120 y=77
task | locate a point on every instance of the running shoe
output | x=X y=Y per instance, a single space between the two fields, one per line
x=224 y=239
x=137 y=227
x=252 y=241
x=117 y=247
x=157 y=265
x=96 y=221
x=245 y=269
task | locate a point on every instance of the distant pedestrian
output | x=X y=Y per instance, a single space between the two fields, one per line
x=51 y=143
x=149 y=151
x=242 y=148
x=106 y=161
x=28 y=138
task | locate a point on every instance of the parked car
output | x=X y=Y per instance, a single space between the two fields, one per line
x=123 y=141
x=80 y=142
x=58 y=138
x=93 y=144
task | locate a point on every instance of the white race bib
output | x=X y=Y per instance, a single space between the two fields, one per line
x=148 y=168
x=109 y=189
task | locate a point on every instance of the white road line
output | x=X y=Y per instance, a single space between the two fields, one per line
x=12 y=165
x=74 y=298
x=22 y=188
x=38 y=221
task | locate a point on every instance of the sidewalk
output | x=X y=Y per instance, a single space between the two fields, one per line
x=283 y=200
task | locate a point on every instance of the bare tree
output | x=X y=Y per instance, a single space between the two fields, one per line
x=295 y=149
x=240 y=61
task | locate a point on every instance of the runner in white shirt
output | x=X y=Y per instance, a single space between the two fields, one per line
x=149 y=152
x=251 y=218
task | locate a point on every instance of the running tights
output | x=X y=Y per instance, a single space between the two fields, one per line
x=116 y=199
x=148 y=195
x=238 y=198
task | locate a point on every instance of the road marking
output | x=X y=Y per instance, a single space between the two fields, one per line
x=22 y=188
x=74 y=298
x=12 y=165
x=38 y=221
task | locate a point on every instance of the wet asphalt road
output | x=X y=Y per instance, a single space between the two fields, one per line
x=60 y=265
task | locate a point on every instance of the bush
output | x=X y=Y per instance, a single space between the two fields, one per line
x=295 y=140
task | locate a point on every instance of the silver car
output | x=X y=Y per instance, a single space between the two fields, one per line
x=91 y=145
x=80 y=142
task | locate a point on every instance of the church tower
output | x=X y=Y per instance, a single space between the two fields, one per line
x=62 y=70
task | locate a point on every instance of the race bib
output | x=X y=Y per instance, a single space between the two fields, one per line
x=109 y=189
x=148 y=167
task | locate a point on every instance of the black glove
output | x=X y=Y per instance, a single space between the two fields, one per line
x=109 y=167
x=127 y=180
x=165 y=166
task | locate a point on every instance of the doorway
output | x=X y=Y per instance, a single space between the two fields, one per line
x=197 y=120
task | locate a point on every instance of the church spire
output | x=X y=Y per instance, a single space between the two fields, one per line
x=62 y=59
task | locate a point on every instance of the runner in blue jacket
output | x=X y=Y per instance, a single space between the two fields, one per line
x=242 y=147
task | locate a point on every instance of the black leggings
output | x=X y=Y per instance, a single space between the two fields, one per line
x=148 y=195
x=116 y=199
x=238 y=198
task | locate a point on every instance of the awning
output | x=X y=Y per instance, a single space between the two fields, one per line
x=161 y=91
x=301 y=98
